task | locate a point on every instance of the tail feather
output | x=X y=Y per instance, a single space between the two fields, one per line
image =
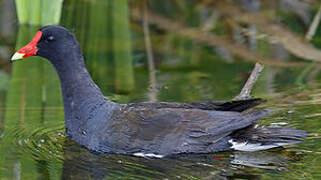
x=260 y=138
x=240 y=105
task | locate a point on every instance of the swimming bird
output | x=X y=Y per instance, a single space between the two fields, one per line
x=152 y=129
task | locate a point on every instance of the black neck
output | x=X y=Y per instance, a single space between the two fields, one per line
x=78 y=89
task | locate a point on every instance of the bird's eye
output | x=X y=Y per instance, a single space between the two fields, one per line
x=50 y=38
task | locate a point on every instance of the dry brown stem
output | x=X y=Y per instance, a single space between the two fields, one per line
x=246 y=91
x=212 y=40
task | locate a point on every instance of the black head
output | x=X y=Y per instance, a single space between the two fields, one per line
x=50 y=42
x=55 y=41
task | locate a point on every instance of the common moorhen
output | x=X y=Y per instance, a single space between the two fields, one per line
x=148 y=128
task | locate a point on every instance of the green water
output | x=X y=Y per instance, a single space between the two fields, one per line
x=188 y=67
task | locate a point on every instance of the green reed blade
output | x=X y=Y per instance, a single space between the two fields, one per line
x=22 y=11
x=99 y=45
x=122 y=47
x=34 y=10
x=39 y=12
x=51 y=96
x=51 y=12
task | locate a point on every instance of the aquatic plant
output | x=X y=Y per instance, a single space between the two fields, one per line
x=39 y=12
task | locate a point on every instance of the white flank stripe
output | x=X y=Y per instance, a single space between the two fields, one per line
x=245 y=146
x=148 y=155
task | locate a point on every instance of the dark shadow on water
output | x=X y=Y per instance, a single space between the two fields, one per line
x=81 y=164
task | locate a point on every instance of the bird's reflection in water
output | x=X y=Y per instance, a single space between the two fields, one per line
x=82 y=164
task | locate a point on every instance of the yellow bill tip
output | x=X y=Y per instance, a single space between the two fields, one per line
x=17 y=56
